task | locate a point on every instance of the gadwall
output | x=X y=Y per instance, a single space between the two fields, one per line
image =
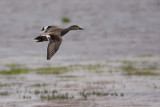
x=54 y=34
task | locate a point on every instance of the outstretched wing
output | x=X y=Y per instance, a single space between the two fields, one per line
x=53 y=46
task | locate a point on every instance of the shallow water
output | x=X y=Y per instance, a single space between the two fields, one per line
x=122 y=90
x=114 y=30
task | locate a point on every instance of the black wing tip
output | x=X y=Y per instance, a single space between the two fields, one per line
x=48 y=59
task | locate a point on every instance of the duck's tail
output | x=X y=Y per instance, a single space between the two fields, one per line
x=40 y=38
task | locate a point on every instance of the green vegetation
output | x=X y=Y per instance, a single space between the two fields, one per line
x=131 y=69
x=55 y=69
x=14 y=69
x=92 y=67
x=98 y=93
x=65 y=20
x=122 y=94
x=145 y=55
x=128 y=62
x=4 y=93
x=5 y=85
x=49 y=95
x=68 y=76
x=121 y=61
x=50 y=70
x=36 y=92
x=38 y=85
x=55 y=96
x=26 y=97
x=18 y=69
x=97 y=68
x=146 y=73
x=111 y=71
x=98 y=71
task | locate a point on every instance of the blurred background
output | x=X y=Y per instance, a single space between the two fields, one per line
x=114 y=62
x=112 y=29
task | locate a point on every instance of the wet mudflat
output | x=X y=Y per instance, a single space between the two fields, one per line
x=124 y=83
x=114 y=62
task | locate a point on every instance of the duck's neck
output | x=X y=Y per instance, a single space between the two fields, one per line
x=64 y=31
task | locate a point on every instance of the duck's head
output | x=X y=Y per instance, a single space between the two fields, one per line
x=75 y=27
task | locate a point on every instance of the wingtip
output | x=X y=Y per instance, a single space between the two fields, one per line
x=34 y=39
x=48 y=59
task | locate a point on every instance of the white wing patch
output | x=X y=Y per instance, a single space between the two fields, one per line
x=45 y=28
x=48 y=37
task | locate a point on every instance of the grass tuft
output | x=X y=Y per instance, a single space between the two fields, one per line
x=93 y=67
x=55 y=96
x=50 y=70
x=14 y=69
x=36 y=92
x=38 y=85
x=68 y=76
x=145 y=55
x=65 y=20
x=145 y=70
x=99 y=93
x=27 y=97
x=5 y=93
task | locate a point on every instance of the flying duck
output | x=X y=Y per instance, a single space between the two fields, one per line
x=54 y=34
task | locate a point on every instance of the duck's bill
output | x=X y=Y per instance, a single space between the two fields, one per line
x=81 y=29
